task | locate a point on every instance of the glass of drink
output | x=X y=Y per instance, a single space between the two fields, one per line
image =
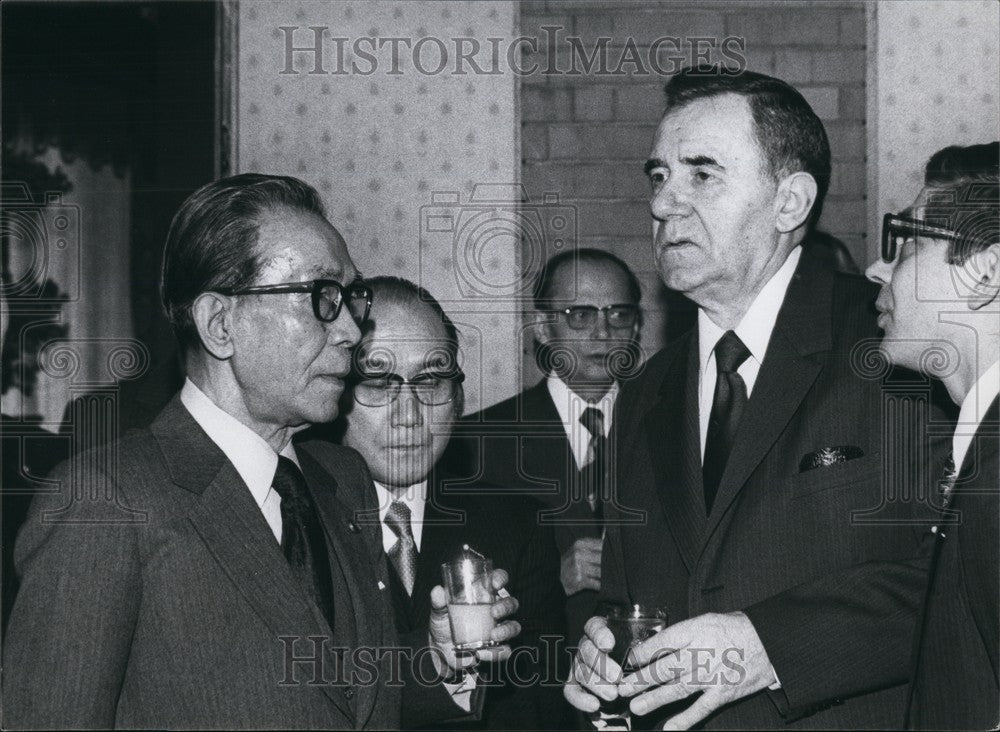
x=630 y=625
x=470 y=600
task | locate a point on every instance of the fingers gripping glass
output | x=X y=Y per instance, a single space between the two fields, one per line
x=432 y=389
x=583 y=317
x=896 y=230
x=328 y=297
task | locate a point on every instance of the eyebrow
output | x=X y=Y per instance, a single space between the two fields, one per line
x=651 y=164
x=703 y=160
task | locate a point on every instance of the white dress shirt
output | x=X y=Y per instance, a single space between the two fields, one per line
x=570 y=406
x=974 y=408
x=249 y=453
x=754 y=330
x=415 y=498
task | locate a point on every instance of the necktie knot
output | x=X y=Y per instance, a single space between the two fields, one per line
x=593 y=419
x=288 y=482
x=730 y=353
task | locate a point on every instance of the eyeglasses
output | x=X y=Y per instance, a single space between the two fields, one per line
x=583 y=317
x=896 y=230
x=328 y=297
x=432 y=389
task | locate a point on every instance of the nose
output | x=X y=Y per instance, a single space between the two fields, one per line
x=406 y=409
x=667 y=201
x=600 y=329
x=343 y=331
x=879 y=271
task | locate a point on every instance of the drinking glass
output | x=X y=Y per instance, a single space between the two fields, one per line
x=630 y=625
x=470 y=601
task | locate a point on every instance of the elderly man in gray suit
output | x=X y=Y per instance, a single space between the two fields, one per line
x=219 y=575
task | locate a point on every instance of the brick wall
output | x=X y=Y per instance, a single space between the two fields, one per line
x=586 y=135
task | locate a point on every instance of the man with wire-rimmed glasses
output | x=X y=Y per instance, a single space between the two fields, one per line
x=552 y=440
x=404 y=396
x=215 y=577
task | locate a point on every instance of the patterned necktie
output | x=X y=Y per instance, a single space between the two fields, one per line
x=302 y=539
x=594 y=473
x=727 y=410
x=404 y=552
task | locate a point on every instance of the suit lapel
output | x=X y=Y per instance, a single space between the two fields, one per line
x=348 y=543
x=671 y=427
x=799 y=345
x=433 y=552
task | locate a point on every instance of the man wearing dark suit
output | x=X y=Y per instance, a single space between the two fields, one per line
x=215 y=576
x=541 y=442
x=404 y=398
x=750 y=443
x=940 y=277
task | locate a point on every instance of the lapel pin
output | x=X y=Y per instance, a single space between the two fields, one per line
x=381 y=585
x=353 y=527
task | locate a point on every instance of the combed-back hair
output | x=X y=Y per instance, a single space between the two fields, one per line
x=212 y=242
x=545 y=281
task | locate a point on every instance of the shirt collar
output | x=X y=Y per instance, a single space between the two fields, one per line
x=757 y=324
x=414 y=497
x=254 y=460
x=974 y=407
x=570 y=405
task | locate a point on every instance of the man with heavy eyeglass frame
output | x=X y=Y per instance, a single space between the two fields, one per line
x=216 y=576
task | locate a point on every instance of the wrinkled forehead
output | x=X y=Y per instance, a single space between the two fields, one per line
x=298 y=245
x=405 y=341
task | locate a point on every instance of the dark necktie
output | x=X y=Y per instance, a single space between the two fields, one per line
x=302 y=539
x=594 y=473
x=404 y=552
x=727 y=410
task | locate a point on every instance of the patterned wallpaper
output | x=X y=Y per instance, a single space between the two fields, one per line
x=938 y=74
x=397 y=153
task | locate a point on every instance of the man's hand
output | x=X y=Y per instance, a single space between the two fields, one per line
x=440 y=629
x=581 y=566
x=720 y=655
x=594 y=675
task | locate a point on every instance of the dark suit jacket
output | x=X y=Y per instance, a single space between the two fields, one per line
x=521 y=446
x=834 y=599
x=164 y=600
x=955 y=677
x=505 y=529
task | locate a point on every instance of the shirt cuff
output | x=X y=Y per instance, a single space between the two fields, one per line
x=461 y=692
x=777 y=682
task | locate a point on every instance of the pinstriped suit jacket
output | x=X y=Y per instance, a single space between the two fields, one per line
x=162 y=600
x=833 y=599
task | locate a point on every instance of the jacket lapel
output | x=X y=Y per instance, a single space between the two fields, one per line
x=799 y=345
x=235 y=531
x=672 y=430
x=348 y=540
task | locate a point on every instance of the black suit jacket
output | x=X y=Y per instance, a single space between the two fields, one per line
x=813 y=558
x=523 y=693
x=163 y=600
x=955 y=677
x=520 y=445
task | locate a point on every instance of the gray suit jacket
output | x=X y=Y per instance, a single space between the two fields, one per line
x=154 y=595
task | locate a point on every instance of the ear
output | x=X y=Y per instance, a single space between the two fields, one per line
x=794 y=200
x=984 y=266
x=541 y=327
x=212 y=315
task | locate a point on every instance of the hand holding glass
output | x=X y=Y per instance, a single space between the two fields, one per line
x=470 y=602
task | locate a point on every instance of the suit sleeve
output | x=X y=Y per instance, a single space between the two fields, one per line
x=426 y=700
x=68 y=642
x=844 y=634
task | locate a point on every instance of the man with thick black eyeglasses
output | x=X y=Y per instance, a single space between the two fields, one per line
x=218 y=575
x=552 y=440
